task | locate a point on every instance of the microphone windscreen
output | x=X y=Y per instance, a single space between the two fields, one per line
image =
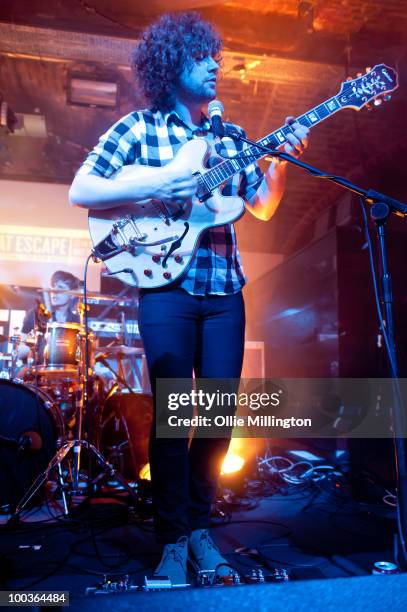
x=215 y=107
x=34 y=440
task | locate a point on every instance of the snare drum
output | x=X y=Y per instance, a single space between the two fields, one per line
x=31 y=414
x=63 y=349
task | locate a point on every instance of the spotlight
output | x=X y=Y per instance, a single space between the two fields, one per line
x=145 y=472
x=232 y=463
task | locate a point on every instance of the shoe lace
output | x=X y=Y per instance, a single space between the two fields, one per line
x=206 y=540
x=174 y=551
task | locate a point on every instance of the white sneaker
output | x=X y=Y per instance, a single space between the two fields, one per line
x=205 y=555
x=173 y=562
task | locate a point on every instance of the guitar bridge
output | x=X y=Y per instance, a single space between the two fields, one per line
x=116 y=242
x=107 y=248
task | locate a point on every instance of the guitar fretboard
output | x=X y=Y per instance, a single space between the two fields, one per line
x=228 y=168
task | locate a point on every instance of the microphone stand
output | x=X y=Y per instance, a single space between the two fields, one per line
x=382 y=206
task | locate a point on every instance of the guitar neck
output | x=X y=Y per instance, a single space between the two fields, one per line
x=228 y=168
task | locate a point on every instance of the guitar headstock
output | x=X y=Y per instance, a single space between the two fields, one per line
x=375 y=85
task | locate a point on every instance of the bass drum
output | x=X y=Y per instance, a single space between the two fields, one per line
x=30 y=427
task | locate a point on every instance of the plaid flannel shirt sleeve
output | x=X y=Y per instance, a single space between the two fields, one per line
x=117 y=147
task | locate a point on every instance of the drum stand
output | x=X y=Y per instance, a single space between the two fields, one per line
x=117 y=412
x=74 y=445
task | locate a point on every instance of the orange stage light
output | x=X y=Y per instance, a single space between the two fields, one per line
x=145 y=472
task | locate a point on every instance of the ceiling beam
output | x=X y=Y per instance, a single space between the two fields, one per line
x=44 y=44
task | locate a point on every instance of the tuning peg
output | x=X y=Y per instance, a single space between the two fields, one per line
x=387 y=98
x=368 y=69
x=358 y=74
x=377 y=101
x=368 y=107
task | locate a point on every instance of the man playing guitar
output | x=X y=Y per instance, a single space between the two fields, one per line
x=196 y=323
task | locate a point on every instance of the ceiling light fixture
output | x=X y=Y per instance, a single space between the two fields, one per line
x=83 y=91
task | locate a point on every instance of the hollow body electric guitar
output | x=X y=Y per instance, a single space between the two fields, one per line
x=150 y=244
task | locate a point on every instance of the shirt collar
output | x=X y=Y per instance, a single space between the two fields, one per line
x=173 y=117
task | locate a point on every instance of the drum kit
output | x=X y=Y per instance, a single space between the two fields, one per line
x=60 y=404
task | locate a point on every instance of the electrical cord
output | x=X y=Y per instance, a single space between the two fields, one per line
x=287 y=474
x=102 y=561
x=267 y=558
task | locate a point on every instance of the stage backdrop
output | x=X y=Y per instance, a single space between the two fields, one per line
x=41 y=233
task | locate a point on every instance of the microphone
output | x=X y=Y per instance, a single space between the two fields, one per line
x=215 y=110
x=29 y=441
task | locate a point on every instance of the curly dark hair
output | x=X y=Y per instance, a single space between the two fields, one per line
x=166 y=48
x=60 y=275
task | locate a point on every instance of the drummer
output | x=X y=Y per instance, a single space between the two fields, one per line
x=63 y=310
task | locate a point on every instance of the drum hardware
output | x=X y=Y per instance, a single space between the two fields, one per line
x=116 y=451
x=41 y=316
x=32 y=428
x=67 y=368
x=61 y=454
x=119 y=375
x=92 y=298
x=62 y=373
x=64 y=447
x=125 y=429
x=119 y=352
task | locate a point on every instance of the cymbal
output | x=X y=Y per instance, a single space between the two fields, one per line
x=120 y=350
x=98 y=297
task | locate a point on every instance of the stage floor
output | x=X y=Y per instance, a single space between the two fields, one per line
x=314 y=533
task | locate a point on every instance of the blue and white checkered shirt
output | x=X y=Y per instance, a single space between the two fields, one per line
x=153 y=139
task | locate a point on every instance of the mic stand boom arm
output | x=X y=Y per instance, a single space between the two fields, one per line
x=383 y=205
x=370 y=195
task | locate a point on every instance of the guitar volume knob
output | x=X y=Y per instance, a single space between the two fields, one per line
x=167 y=275
x=178 y=258
x=148 y=272
x=156 y=258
